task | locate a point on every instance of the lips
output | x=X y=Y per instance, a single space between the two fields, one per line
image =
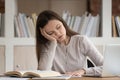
x=60 y=37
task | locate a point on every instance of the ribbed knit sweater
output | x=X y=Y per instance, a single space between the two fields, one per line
x=71 y=57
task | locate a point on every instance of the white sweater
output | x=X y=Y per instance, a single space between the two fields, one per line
x=71 y=57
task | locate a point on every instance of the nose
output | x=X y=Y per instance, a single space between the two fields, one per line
x=57 y=33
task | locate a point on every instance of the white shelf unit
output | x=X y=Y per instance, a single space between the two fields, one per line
x=9 y=41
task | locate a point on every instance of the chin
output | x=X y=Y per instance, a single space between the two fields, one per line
x=61 y=41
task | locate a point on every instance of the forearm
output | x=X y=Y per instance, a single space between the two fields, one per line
x=46 y=58
x=95 y=71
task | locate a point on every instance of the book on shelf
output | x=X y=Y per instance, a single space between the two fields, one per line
x=76 y=23
x=93 y=26
x=24 y=26
x=31 y=26
x=117 y=21
x=114 y=27
x=2 y=24
x=32 y=73
x=86 y=19
x=34 y=18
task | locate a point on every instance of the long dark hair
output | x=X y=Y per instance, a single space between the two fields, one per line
x=43 y=18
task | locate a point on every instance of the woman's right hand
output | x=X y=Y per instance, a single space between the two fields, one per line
x=50 y=38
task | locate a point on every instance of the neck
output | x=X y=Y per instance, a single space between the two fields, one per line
x=66 y=41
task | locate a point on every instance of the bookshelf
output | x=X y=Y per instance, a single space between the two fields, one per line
x=14 y=48
x=2 y=45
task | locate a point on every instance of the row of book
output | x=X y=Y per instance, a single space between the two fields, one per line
x=25 y=25
x=86 y=24
x=116 y=26
x=2 y=24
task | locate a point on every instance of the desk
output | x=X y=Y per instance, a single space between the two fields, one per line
x=81 y=78
x=94 y=78
x=87 y=78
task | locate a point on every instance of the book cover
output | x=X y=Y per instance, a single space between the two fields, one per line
x=114 y=28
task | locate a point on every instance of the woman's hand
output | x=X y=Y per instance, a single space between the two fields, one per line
x=78 y=73
x=50 y=38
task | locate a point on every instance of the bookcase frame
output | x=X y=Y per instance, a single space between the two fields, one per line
x=9 y=41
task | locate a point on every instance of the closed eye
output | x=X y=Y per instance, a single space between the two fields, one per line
x=50 y=33
x=58 y=27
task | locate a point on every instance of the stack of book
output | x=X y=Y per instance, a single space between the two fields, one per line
x=86 y=24
x=25 y=25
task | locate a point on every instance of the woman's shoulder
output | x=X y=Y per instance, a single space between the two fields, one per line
x=81 y=37
x=78 y=38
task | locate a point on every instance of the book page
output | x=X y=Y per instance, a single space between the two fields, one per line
x=32 y=73
x=15 y=73
x=39 y=73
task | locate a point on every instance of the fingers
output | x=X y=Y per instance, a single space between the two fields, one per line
x=73 y=73
x=78 y=73
x=43 y=32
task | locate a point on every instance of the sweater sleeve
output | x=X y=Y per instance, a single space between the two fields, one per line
x=97 y=58
x=47 y=56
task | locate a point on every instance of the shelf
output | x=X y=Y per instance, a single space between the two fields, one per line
x=24 y=41
x=105 y=41
x=2 y=41
x=76 y=7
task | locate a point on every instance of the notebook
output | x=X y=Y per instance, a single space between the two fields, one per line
x=111 y=65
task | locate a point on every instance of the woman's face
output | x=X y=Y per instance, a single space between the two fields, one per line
x=55 y=29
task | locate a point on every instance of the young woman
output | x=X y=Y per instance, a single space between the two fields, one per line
x=62 y=49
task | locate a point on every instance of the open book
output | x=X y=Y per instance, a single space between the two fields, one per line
x=33 y=73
